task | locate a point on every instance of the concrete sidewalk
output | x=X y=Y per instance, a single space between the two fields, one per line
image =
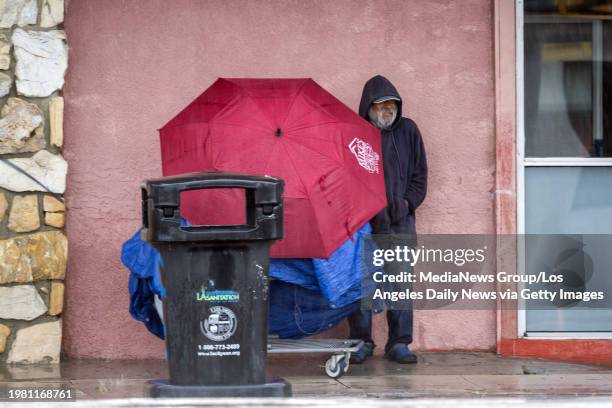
x=437 y=375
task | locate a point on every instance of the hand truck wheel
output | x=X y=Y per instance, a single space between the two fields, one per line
x=336 y=366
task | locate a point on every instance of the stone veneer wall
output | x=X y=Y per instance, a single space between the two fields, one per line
x=33 y=248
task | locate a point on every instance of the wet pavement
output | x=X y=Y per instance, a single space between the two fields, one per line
x=437 y=375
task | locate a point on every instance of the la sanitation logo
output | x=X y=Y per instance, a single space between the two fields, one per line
x=217 y=296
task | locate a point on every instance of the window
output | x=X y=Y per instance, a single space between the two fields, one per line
x=564 y=64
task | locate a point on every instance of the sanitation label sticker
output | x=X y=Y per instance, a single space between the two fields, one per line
x=217 y=296
x=220 y=324
x=366 y=156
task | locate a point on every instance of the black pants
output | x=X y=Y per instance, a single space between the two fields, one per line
x=399 y=319
x=399 y=322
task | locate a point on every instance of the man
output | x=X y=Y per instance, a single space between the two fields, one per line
x=405 y=168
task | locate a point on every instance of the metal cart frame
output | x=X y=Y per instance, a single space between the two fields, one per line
x=340 y=349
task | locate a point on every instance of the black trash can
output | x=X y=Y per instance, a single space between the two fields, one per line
x=216 y=280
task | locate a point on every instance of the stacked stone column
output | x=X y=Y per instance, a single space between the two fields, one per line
x=33 y=247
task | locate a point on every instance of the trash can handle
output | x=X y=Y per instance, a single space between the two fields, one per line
x=221 y=183
x=264 y=208
x=202 y=232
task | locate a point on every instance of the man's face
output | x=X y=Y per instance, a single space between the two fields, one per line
x=382 y=115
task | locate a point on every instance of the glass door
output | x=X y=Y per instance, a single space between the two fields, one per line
x=564 y=54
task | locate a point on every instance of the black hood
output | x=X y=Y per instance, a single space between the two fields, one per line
x=375 y=88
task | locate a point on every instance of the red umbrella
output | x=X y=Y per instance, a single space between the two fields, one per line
x=329 y=157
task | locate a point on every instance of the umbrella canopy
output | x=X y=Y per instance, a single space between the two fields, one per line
x=329 y=157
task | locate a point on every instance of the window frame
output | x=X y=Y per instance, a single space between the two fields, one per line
x=523 y=162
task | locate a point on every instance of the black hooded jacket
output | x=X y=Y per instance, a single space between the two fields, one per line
x=404 y=161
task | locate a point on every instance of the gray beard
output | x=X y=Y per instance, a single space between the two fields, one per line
x=377 y=118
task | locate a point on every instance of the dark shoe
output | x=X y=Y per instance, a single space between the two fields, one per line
x=363 y=353
x=401 y=353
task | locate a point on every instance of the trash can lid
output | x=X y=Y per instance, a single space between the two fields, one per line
x=161 y=203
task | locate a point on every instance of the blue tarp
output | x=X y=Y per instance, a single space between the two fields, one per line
x=144 y=282
x=338 y=278
x=307 y=296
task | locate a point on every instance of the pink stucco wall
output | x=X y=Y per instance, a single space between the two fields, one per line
x=134 y=64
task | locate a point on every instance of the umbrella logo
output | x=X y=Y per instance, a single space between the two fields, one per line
x=366 y=156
